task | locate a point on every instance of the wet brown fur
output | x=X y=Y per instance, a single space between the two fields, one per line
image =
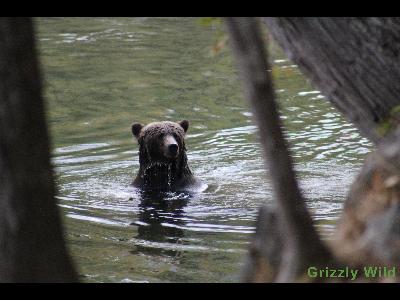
x=156 y=171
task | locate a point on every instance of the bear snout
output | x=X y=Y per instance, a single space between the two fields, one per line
x=171 y=147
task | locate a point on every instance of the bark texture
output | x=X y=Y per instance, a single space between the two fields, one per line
x=32 y=246
x=368 y=231
x=265 y=252
x=354 y=62
x=302 y=245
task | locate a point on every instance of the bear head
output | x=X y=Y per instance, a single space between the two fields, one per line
x=161 y=142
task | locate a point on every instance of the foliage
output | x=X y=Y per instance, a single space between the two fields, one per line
x=391 y=122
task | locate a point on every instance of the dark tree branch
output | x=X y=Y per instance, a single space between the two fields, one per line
x=31 y=239
x=353 y=61
x=303 y=246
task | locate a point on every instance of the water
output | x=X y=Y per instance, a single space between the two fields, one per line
x=102 y=75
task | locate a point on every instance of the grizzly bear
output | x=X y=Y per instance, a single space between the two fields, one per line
x=162 y=157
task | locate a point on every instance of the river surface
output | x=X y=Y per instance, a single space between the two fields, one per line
x=103 y=74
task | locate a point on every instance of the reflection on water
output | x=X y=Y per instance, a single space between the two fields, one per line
x=103 y=74
x=161 y=220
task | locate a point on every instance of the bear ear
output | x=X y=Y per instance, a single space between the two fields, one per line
x=136 y=128
x=184 y=124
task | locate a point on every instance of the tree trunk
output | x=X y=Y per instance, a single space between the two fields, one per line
x=368 y=232
x=302 y=245
x=354 y=62
x=32 y=247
